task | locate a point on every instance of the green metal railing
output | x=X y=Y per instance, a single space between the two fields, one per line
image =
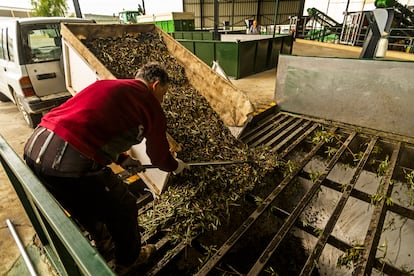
x=68 y=250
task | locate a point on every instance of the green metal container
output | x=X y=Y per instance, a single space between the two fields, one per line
x=262 y=52
x=246 y=59
x=239 y=58
x=168 y=26
x=208 y=35
x=170 y=22
x=188 y=35
x=188 y=44
x=276 y=48
x=227 y=55
x=287 y=45
x=178 y=35
x=205 y=50
x=197 y=35
x=185 y=25
x=193 y=35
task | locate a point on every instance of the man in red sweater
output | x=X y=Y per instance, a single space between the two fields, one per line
x=70 y=150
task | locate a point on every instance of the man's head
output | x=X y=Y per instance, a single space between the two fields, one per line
x=156 y=77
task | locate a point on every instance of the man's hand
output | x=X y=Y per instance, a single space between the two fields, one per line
x=181 y=166
x=132 y=165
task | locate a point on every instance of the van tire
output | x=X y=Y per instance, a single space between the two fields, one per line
x=31 y=119
x=4 y=98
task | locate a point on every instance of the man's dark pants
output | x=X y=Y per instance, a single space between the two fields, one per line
x=92 y=196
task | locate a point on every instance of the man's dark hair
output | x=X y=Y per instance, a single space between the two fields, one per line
x=152 y=72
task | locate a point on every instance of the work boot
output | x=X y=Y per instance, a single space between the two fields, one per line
x=106 y=248
x=103 y=241
x=145 y=254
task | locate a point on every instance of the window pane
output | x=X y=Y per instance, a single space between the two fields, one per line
x=10 y=47
x=42 y=43
x=1 y=44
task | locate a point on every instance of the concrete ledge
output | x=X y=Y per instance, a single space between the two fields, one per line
x=391 y=55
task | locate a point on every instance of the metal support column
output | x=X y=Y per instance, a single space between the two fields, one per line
x=77 y=9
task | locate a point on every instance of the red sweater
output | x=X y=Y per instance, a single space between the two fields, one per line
x=108 y=117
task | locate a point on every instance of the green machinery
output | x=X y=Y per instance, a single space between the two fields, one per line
x=168 y=22
x=128 y=17
x=329 y=29
x=387 y=15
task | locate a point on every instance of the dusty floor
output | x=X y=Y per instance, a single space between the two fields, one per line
x=260 y=89
x=15 y=131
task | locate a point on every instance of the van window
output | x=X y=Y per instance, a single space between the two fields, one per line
x=4 y=44
x=42 y=43
x=1 y=44
x=10 y=45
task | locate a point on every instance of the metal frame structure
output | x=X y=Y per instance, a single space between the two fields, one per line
x=351 y=29
x=209 y=13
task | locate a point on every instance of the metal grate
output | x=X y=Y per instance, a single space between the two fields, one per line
x=331 y=179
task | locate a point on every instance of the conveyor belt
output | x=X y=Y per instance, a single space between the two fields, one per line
x=340 y=203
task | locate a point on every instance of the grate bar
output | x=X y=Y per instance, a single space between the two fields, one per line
x=317 y=250
x=262 y=124
x=395 y=208
x=337 y=243
x=297 y=141
x=212 y=262
x=167 y=258
x=293 y=134
x=269 y=133
x=267 y=253
x=144 y=202
x=284 y=132
x=365 y=264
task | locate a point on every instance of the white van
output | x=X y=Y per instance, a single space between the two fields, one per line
x=31 y=71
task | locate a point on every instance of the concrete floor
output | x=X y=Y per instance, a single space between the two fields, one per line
x=15 y=131
x=260 y=88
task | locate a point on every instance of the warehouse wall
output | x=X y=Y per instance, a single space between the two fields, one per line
x=237 y=11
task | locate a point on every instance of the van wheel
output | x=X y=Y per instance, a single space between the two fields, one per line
x=32 y=120
x=4 y=98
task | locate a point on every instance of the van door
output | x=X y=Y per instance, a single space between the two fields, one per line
x=43 y=54
x=5 y=93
